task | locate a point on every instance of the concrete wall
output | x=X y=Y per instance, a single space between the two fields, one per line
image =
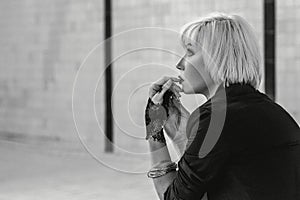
x=288 y=57
x=45 y=45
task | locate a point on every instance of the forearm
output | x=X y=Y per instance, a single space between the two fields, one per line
x=180 y=145
x=179 y=141
x=159 y=153
x=162 y=170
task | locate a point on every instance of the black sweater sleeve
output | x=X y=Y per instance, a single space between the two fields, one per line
x=198 y=168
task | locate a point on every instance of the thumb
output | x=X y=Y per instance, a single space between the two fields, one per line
x=158 y=97
x=165 y=87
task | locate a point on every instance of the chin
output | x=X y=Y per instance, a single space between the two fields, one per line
x=188 y=90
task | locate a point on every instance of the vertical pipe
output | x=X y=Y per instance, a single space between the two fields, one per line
x=269 y=47
x=108 y=77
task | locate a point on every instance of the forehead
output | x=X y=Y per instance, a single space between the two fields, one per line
x=191 y=37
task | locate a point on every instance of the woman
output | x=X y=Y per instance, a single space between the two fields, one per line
x=239 y=144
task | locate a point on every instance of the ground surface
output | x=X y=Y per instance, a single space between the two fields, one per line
x=28 y=173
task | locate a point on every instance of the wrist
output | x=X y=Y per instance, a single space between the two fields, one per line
x=155 y=145
x=179 y=137
x=180 y=143
x=159 y=152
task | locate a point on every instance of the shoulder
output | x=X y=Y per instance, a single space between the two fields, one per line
x=258 y=109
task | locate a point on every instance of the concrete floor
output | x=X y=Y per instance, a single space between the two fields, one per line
x=28 y=173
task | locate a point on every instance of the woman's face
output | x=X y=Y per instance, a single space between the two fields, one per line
x=195 y=79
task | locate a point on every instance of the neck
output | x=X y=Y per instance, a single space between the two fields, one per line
x=210 y=91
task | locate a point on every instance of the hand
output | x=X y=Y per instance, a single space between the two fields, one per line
x=157 y=109
x=178 y=115
x=159 y=88
x=175 y=126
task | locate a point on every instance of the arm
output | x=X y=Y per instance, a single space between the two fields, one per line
x=154 y=118
x=177 y=131
x=179 y=142
x=159 y=153
x=197 y=168
x=159 y=150
x=180 y=145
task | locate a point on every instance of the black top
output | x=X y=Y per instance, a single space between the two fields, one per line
x=241 y=146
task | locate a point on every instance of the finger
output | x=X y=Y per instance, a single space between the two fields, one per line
x=157 y=86
x=173 y=90
x=176 y=87
x=156 y=99
x=176 y=93
x=175 y=79
x=153 y=90
x=165 y=87
x=164 y=79
x=158 y=96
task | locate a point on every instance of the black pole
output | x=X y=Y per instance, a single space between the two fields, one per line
x=269 y=47
x=108 y=76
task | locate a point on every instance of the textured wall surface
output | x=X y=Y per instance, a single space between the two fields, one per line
x=288 y=57
x=45 y=45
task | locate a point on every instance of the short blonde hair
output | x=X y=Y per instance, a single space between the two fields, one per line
x=230 y=47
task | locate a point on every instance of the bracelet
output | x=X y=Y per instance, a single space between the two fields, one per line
x=161 y=171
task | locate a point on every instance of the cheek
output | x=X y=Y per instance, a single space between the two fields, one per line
x=194 y=76
x=195 y=81
x=196 y=68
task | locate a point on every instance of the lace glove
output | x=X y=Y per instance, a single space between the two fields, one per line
x=156 y=116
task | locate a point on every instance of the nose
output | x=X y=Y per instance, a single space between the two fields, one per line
x=180 y=64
